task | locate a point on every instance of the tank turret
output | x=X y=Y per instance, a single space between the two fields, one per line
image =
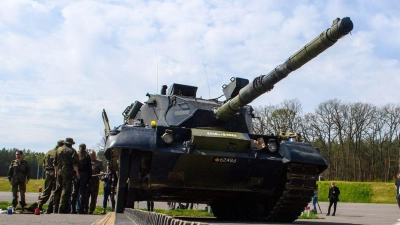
x=176 y=147
x=264 y=83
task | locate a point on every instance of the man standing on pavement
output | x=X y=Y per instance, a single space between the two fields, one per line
x=19 y=174
x=65 y=162
x=97 y=169
x=50 y=181
x=333 y=197
x=80 y=186
x=397 y=186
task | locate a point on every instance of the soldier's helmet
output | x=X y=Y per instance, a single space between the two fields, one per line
x=69 y=140
x=60 y=143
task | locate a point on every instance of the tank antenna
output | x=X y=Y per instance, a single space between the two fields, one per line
x=157 y=68
x=209 y=96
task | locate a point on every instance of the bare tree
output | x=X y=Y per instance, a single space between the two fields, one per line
x=323 y=128
x=279 y=118
x=392 y=114
x=362 y=115
x=100 y=147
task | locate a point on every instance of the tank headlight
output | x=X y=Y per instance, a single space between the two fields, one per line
x=272 y=146
x=167 y=137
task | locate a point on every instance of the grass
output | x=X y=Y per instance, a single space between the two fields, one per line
x=311 y=215
x=33 y=185
x=184 y=212
x=360 y=192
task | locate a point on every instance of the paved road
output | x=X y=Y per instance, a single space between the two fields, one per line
x=347 y=214
x=33 y=197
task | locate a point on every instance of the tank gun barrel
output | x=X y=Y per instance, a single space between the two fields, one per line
x=265 y=83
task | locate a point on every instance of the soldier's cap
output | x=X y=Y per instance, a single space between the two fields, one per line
x=60 y=142
x=69 y=140
x=82 y=145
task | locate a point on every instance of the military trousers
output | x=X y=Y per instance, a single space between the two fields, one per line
x=93 y=193
x=49 y=188
x=21 y=186
x=63 y=192
x=79 y=189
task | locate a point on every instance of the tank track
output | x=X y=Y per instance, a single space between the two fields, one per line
x=298 y=190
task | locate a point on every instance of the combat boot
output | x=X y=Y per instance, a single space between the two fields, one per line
x=73 y=211
x=40 y=206
x=22 y=204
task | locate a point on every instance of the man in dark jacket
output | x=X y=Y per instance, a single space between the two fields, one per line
x=333 y=197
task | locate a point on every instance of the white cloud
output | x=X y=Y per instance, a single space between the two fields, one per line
x=62 y=62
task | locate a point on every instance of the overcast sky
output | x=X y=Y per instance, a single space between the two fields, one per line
x=63 y=62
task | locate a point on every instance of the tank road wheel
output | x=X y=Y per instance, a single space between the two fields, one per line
x=122 y=180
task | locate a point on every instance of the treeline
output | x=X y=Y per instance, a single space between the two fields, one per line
x=359 y=141
x=35 y=160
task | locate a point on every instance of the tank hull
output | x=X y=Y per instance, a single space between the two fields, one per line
x=224 y=179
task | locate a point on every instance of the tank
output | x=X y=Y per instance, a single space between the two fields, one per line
x=176 y=147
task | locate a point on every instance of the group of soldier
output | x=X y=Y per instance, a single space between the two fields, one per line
x=72 y=179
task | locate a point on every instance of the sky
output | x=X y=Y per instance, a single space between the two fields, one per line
x=62 y=62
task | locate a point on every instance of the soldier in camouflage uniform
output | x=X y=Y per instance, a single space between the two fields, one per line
x=65 y=162
x=50 y=181
x=80 y=186
x=19 y=174
x=97 y=169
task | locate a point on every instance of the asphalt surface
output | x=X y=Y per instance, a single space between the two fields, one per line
x=346 y=214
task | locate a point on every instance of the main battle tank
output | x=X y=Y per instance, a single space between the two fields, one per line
x=179 y=148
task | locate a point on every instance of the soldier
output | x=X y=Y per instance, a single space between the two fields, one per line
x=50 y=181
x=80 y=186
x=97 y=169
x=65 y=162
x=18 y=175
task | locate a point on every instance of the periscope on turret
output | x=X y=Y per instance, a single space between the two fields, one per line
x=176 y=147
